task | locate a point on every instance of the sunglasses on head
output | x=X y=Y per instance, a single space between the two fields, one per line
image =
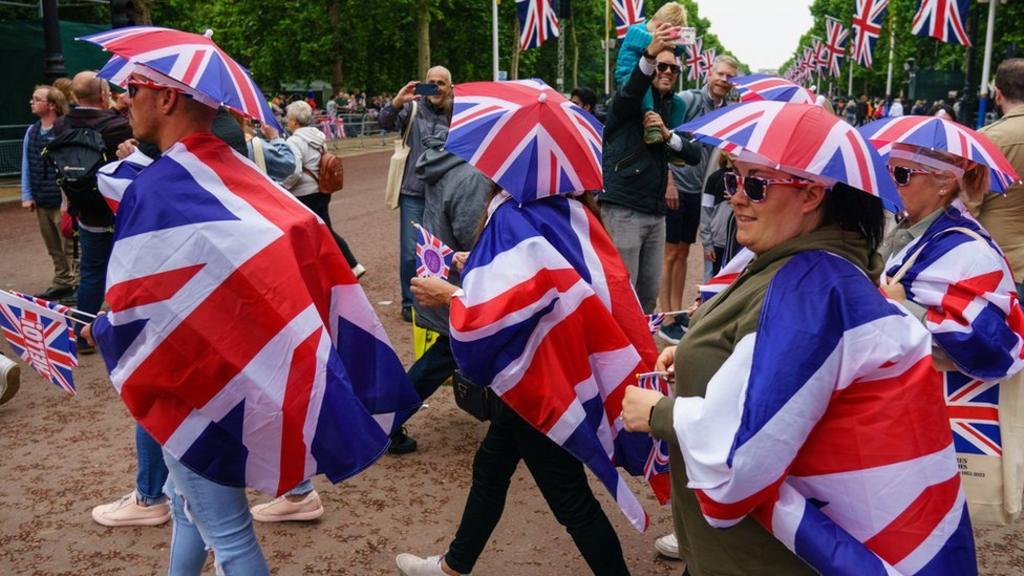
x=903 y=174
x=666 y=67
x=754 y=187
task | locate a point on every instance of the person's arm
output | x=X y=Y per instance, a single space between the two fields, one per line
x=292 y=179
x=466 y=208
x=280 y=159
x=395 y=113
x=627 y=101
x=630 y=51
x=26 y=180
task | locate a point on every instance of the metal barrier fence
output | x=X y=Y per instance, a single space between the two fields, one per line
x=11 y=138
x=363 y=128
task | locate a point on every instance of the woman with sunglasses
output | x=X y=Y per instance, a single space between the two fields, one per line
x=776 y=380
x=949 y=273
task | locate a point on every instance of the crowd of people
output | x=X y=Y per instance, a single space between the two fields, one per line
x=823 y=254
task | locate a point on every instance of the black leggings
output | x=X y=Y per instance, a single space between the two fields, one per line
x=318 y=203
x=561 y=480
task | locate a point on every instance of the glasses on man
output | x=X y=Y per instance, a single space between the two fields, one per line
x=754 y=187
x=134 y=85
x=666 y=67
x=34 y=99
x=903 y=174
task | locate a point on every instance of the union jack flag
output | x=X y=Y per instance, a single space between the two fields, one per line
x=765 y=87
x=193 y=60
x=707 y=62
x=497 y=128
x=820 y=51
x=237 y=336
x=40 y=334
x=538 y=22
x=726 y=275
x=627 y=13
x=114 y=178
x=654 y=321
x=694 y=59
x=974 y=414
x=550 y=321
x=942 y=19
x=836 y=44
x=657 y=459
x=867 y=25
x=433 y=257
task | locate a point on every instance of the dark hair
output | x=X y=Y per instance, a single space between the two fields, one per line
x=1010 y=79
x=586 y=96
x=855 y=211
x=943 y=106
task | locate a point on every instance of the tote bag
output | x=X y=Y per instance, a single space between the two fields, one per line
x=396 y=169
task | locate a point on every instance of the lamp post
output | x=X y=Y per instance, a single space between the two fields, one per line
x=54 y=59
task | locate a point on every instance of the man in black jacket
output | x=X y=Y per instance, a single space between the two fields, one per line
x=636 y=173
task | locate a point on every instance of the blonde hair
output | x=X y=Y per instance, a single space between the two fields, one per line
x=672 y=13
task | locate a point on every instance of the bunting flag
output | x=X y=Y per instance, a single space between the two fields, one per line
x=867 y=25
x=942 y=19
x=433 y=257
x=835 y=45
x=627 y=13
x=40 y=334
x=694 y=58
x=538 y=22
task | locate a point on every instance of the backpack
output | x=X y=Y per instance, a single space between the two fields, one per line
x=76 y=154
x=332 y=173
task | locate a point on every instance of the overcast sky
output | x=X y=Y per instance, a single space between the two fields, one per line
x=761 y=33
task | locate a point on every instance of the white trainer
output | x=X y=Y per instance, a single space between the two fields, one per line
x=412 y=565
x=668 y=546
x=281 y=509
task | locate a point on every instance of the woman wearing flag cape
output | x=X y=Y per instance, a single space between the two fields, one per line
x=808 y=418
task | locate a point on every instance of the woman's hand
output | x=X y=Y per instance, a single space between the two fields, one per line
x=637 y=407
x=666 y=361
x=459 y=261
x=87 y=335
x=894 y=291
x=432 y=292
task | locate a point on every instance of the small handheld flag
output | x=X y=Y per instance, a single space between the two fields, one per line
x=39 y=332
x=433 y=257
x=657 y=460
x=654 y=321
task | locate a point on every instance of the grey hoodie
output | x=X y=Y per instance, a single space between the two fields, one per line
x=306 y=143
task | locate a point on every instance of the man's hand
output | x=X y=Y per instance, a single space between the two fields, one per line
x=637 y=405
x=125 y=149
x=459 y=260
x=87 y=335
x=653 y=119
x=893 y=291
x=29 y=205
x=269 y=132
x=432 y=292
x=671 y=195
x=666 y=361
x=664 y=38
x=709 y=254
x=405 y=95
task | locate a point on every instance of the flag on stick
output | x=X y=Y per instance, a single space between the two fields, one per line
x=39 y=332
x=433 y=257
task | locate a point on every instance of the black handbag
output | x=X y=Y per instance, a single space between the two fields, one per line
x=472 y=398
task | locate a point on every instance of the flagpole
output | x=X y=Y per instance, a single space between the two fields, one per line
x=892 y=52
x=849 y=91
x=607 y=17
x=986 y=66
x=494 y=39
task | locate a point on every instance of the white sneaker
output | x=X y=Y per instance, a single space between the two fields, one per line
x=668 y=546
x=128 y=511
x=412 y=565
x=281 y=509
x=358 y=270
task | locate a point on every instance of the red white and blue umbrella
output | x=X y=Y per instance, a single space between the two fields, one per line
x=801 y=139
x=939 y=134
x=756 y=87
x=527 y=137
x=192 y=60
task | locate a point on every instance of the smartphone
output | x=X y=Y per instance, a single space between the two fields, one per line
x=686 y=36
x=424 y=89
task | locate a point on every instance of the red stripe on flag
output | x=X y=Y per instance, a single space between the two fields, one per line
x=973 y=413
x=904 y=534
x=149 y=289
x=736 y=510
x=515 y=298
x=193 y=66
x=295 y=406
x=965 y=428
x=960 y=295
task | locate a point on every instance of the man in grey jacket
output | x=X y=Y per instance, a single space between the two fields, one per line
x=456 y=196
x=431 y=113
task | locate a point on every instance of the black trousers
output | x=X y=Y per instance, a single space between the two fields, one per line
x=561 y=480
x=318 y=204
x=435 y=366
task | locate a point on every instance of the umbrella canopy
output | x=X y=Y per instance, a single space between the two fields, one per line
x=526 y=137
x=802 y=139
x=938 y=134
x=184 y=60
x=766 y=87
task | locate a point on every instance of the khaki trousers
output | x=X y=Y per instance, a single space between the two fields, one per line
x=60 y=249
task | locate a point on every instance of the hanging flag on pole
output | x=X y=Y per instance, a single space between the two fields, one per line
x=433 y=257
x=538 y=22
x=942 y=19
x=820 y=54
x=836 y=35
x=707 y=60
x=867 y=25
x=693 y=60
x=627 y=13
x=40 y=334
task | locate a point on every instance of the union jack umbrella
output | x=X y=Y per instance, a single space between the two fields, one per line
x=433 y=257
x=766 y=87
x=538 y=22
x=188 y=61
x=39 y=333
x=867 y=25
x=627 y=13
x=802 y=139
x=939 y=134
x=527 y=137
x=942 y=19
x=694 y=58
x=835 y=44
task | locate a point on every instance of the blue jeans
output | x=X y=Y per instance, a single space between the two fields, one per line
x=410 y=210
x=303 y=488
x=96 y=247
x=208 y=514
x=150 y=470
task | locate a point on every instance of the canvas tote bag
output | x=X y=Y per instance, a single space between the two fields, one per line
x=993 y=482
x=396 y=169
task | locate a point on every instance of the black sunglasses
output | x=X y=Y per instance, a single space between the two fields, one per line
x=755 y=188
x=666 y=67
x=903 y=174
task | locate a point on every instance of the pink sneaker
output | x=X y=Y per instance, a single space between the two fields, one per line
x=281 y=509
x=129 y=512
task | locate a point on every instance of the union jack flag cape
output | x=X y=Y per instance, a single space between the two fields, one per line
x=550 y=321
x=827 y=425
x=694 y=60
x=538 y=22
x=39 y=333
x=114 y=178
x=433 y=257
x=867 y=25
x=726 y=275
x=627 y=13
x=974 y=315
x=942 y=19
x=238 y=336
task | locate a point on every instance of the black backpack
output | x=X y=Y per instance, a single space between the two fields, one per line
x=77 y=154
